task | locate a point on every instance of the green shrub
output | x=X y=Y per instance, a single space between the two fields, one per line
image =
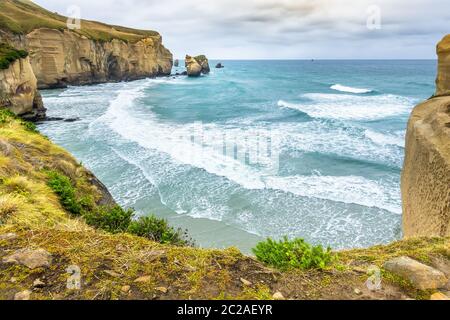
x=30 y=126
x=113 y=220
x=6 y=115
x=63 y=187
x=286 y=254
x=9 y=54
x=158 y=230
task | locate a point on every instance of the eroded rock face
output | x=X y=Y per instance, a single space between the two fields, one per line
x=426 y=171
x=18 y=90
x=61 y=58
x=443 y=78
x=197 y=65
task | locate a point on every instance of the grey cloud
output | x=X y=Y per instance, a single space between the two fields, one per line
x=279 y=28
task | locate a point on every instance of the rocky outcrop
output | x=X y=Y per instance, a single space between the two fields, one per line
x=426 y=172
x=18 y=90
x=421 y=276
x=197 y=65
x=61 y=58
x=204 y=63
x=30 y=258
x=443 y=77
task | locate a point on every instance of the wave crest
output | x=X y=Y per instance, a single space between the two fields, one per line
x=341 y=88
x=350 y=107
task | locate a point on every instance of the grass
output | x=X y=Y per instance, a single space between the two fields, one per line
x=6 y=116
x=288 y=254
x=159 y=230
x=62 y=186
x=22 y=17
x=9 y=54
x=113 y=220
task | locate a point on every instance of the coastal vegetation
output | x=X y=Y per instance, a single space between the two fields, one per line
x=113 y=219
x=9 y=54
x=297 y=253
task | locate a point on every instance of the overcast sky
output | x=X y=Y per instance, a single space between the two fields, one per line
x=280 y=29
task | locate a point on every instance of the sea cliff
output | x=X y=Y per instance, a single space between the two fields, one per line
x=93 y=53
x=426 y=172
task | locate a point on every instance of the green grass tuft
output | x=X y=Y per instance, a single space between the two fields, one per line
x=288 y=254
x=63 y=187
x=158 y=230
x=113 y=220
x=6 y=116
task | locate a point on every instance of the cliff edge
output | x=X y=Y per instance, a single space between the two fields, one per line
x=93 y=53
x=426 y=172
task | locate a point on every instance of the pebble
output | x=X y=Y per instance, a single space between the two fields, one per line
x=24 y=295
x=278 y=296
x=246 y=282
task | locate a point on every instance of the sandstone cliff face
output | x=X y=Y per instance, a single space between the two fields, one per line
x=443 y=78
x=18 y=90
x=60 y=58
x=426 y=172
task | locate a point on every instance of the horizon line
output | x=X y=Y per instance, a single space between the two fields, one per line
x=328 y=59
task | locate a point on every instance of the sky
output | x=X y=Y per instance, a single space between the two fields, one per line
x=280 y=29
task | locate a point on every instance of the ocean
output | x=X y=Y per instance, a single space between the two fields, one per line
x=309 y=149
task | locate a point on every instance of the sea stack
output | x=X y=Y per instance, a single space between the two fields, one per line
x=176 y=63
x=426 y=172
x=197 y=65
x=219 y=65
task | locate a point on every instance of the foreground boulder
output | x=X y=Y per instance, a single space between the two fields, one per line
x=30 y=258
x=420 y=275
x=197 y=65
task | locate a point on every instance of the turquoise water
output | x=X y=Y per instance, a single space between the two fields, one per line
x=309 y=149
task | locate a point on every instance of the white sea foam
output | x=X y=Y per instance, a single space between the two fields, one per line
x=347 y=189
x=350 y=107
x=342 y=88
x=251 y=198
x=386 y=139
x=175 y=141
